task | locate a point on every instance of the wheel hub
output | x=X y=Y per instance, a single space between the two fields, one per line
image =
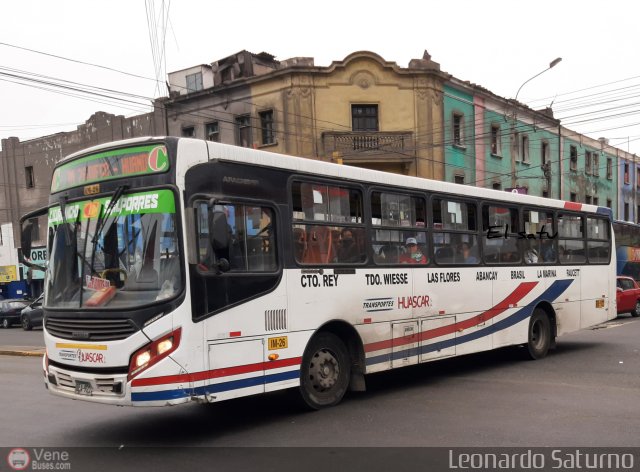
x=324 y=370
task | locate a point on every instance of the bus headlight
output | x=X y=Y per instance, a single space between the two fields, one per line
x=153 y=352
x=165 y=345
x=143 y=358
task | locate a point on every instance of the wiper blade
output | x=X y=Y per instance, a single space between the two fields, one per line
x=103 y=217
x=65 y=225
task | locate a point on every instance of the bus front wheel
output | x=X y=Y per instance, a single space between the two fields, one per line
x=325 y=371
x=539 y=338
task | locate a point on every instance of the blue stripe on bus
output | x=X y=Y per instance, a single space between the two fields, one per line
x=554 y=291
x=215 y=388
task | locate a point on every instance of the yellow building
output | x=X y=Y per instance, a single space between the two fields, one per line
x=361 y=111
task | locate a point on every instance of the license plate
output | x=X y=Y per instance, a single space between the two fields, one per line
x=84 y=388
x=278 y=343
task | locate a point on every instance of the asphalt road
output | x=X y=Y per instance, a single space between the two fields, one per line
x=585 y=393
x=16 y=336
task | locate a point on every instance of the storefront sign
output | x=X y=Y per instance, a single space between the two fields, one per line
x=8 y=273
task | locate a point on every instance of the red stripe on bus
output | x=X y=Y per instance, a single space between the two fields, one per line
x=573 y=206
x=216 y=373
x=519 y=293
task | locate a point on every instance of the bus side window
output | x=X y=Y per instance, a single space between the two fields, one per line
x=299 y=243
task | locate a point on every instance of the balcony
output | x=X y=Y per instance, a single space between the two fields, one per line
x=362 y=147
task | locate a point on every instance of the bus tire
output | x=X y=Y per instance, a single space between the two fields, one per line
x=325 y=371
x=636 y=311
x=539 y=335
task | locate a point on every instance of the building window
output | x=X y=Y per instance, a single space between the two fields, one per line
x=28 y=174
x=572 y=197
x=458 y=179
x=544 y=152
x=243 y=127
x=364 y=118
x=496 y=145
x=226 y=74
x=587 y=199
x=194 y=82
x=626 y=212
x=212 y=131
x=587 y=162
x=626 y=173
x=524 y=148
x=266 y=125
x=545 y=193
x=189 y=132
x=595 y=200
x=458 y=124
x=596 y=164
x=497 y=186
x=609 y=168
x=609 y=203
x=637 y=176
x=573 y=158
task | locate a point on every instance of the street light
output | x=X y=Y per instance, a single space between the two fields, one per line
x=552 y=64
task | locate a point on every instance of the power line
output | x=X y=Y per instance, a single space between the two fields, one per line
x=432 y=133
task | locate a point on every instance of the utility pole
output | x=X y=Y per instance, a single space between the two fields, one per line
x=514 y=145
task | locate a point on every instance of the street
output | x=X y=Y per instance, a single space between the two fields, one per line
x=585 y=393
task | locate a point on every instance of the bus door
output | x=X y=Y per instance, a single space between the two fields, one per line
x=595 y=295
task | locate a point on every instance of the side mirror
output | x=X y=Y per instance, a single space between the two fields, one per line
x=219 y=230
x=223 y=265
x=618 y=289
x=26 y=237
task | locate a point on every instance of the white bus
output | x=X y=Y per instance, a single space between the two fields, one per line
x=184 y=270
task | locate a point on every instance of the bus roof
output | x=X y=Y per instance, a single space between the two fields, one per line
x=227 y=152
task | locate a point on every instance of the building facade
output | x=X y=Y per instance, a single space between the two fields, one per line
x=361 y=111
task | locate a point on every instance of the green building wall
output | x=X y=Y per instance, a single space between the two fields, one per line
x=459 y=159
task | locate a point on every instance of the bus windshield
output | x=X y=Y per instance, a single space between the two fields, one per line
x=114 y=253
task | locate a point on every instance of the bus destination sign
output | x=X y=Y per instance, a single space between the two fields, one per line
x=115 y=164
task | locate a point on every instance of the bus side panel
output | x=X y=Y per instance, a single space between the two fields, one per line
x=595 y=305
x=568 y=305
x=239 y=341
x=377 y=354
x=516 y=292
x=455 y=292
x=236 y=369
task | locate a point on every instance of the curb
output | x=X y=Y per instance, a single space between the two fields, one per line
x=23 y=352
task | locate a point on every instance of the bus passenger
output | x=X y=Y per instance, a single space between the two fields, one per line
x=348 y=251
x=414 y=254
x=466 y=256
x=531 y=254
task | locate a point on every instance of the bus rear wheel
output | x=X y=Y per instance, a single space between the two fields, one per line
x=539 y=338
x=325 y=371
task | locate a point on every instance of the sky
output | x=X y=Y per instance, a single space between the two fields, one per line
x=497 y=44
